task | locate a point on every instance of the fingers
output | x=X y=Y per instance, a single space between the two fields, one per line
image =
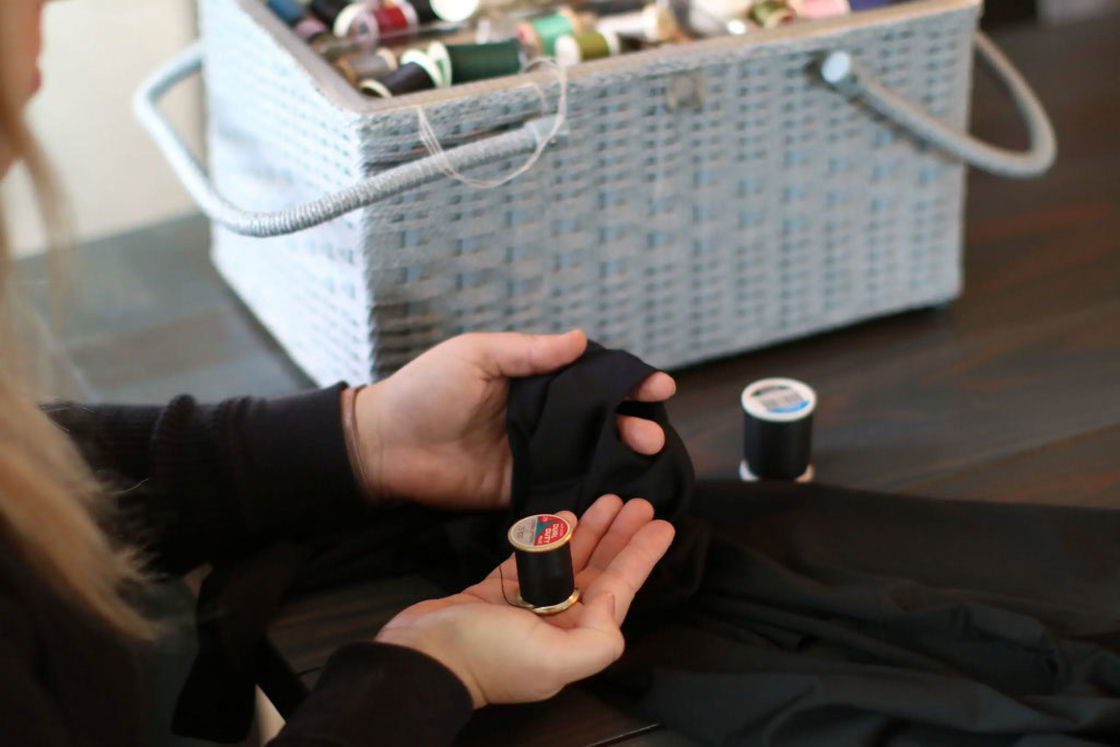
x=641 y=435
x=592 y=526
x=514 y=354
x=656 y=387
x=595 y=642
x=631 y=566
x=633 y=516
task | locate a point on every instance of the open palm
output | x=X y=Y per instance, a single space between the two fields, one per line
x=508 y=654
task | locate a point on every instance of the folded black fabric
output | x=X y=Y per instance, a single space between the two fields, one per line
x=788 y=614
x=828 y=616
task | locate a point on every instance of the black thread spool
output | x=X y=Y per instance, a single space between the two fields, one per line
x=328 y=10
x=778 y=430
x=368 y=66
x=453 y=11
x=542 y=548
x=414 y=74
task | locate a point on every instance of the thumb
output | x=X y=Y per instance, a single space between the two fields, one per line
x=595 y=642
x=514 y=354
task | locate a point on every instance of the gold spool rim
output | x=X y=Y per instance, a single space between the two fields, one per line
x=551 y=609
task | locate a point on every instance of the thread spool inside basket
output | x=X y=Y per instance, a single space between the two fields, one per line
x=543 y=553
x=288 y=11
x=452 y=11
x=311 y=30
x=588 y=45
x=652 y=23
x=329 y=10
x=771 y=13
x=463 y=63
x=416 y=73
x=367 y=66
x=398 y=21
x=540 y=34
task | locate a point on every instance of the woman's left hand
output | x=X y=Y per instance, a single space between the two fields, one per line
x=435 y=431
x=507 y=654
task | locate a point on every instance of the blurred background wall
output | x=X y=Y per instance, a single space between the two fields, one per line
x=95 y=53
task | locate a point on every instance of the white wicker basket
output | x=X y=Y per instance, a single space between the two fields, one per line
x=700 y=199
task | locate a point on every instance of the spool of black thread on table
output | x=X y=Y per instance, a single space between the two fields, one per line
x=778 y=430
x=542 y=549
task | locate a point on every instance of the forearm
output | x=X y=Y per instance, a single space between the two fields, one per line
x=374 y=694
x=197 y=483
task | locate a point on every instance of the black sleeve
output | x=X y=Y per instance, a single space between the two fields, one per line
x=29 y=712
x=200 y=483
x=378 y=694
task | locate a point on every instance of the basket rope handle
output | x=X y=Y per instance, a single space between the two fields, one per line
x=852 y=79
x=530 y=138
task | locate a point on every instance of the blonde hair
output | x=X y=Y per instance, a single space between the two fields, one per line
x=51 y=507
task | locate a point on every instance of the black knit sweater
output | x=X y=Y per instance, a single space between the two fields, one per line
x=198 y=484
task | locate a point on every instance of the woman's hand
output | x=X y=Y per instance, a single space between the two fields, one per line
x=435 y=431
x=507 y=654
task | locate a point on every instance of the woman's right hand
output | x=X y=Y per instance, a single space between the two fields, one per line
x=507 y=654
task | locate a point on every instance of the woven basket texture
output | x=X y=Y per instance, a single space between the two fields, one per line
x=707 y=199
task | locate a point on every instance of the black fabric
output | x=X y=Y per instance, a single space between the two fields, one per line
x=207 y=483
x=566 y=446
x=211 y=483
x=783 y=614
x=790 y=614
x=361 y=698
x=64 y=679
x=565 y=457
x=827 y=616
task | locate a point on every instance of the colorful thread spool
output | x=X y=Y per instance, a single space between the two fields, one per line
x=311 y=30
x=778 y=430
x=718 y=17
x=588 y=45
x=820 y=8
x=452 y=11
x=416 y=73
x=653 y=23
x=367 y=66
x=463 y=63
x=356 y=21
x=396 y=22
x=543 y=553
x=288 y=11
x=771 y=13
x=540 y=34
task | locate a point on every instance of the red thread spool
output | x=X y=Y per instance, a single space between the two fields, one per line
x=397 y=20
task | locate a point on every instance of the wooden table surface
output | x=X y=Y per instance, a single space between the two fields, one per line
x=1008 y=394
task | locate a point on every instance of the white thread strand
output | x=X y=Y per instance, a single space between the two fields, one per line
x=431 y=141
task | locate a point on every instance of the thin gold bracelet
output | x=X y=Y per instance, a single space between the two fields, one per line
x=353 y=444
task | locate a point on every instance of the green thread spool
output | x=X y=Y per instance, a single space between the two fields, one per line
x=463 y=63
x=770 y=13
x=543 y=31
x=589 y=45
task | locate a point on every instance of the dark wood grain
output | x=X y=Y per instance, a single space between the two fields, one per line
x=1081 y=471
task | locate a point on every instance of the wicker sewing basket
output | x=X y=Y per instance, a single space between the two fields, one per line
x=695 y=201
